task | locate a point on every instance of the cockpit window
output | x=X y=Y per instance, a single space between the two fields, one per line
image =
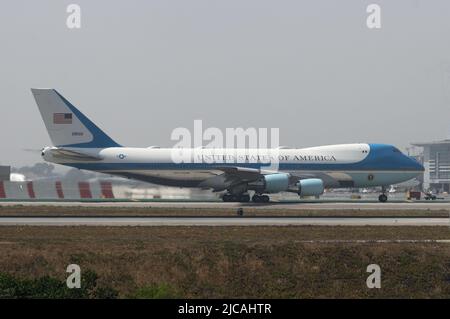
x=396 y=150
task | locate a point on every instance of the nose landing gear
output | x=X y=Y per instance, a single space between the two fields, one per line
x=383 y=197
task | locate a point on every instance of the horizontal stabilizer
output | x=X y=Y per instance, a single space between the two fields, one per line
x=71 y=155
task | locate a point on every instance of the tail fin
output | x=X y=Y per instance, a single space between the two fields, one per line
x=66 y=125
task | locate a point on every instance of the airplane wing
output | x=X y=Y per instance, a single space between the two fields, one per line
x=252 y=174
x=234 y=175
x=241 y=173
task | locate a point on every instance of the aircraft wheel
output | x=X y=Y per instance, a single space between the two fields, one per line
x=256 y=198
x=260 y=198
x=227 y=198
x=383 y=198
x=236 y=198
x=244 y=198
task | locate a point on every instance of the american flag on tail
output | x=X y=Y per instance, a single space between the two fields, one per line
x=62 y=118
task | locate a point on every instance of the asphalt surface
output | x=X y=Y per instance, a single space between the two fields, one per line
x=222 y=221
x=296 y=205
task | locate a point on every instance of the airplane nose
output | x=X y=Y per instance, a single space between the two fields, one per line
x=421 y=167
x=416 y=165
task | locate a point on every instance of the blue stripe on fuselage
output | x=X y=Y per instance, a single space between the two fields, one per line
x=198 y=166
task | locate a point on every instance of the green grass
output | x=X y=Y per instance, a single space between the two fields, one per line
x=228 y=262
x=155 y=291
x=47 y=287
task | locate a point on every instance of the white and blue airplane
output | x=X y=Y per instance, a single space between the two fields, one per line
x=79 y=143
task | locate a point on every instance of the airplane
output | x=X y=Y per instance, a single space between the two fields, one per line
x=78 y=142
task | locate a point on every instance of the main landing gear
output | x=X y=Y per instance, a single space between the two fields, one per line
x=245 y=198
x=242 y=198
x=260 y=198
x=383 y=197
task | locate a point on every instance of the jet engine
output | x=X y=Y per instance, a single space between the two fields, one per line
x=272 y=183
x=280 y=182
x=310 y=187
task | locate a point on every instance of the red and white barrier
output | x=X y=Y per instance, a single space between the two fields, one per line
x=69 y=190
x=42 y=190
x=30 y=190
x=85 y=190
x=107 y=190
x=17 y=190
x=102 y=189
x=2 y=190
x=59 y=190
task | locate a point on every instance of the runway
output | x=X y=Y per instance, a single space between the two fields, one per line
x=222 y=221
x=295 y=205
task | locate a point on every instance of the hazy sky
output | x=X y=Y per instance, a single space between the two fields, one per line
x=139 y=69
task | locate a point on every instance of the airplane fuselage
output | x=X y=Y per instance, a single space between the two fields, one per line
x=346 y=165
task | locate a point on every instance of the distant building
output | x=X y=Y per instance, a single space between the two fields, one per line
x=15 y=177
x=436 y=160
x=5 y=173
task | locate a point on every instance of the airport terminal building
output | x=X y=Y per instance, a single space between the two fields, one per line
x=436 y=160
x=5 y=173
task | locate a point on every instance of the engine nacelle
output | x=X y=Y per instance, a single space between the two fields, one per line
x=310 y=187
x=272 y=183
